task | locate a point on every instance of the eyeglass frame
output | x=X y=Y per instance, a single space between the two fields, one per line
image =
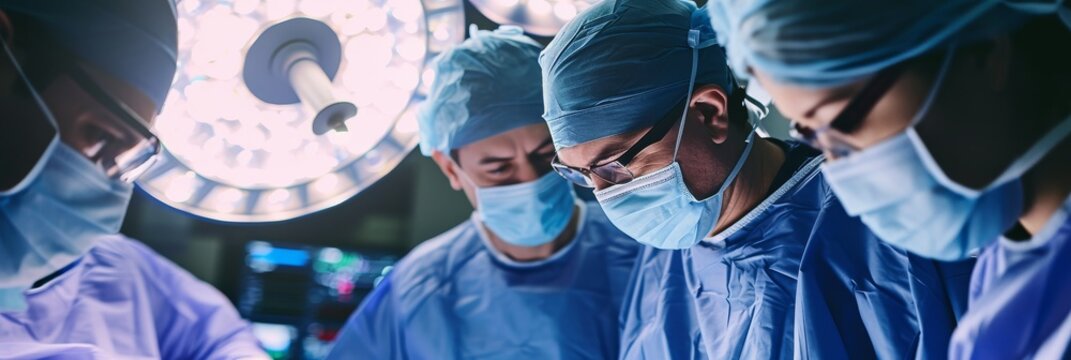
x=124 y=172
x=851 y=117
x=655 y=134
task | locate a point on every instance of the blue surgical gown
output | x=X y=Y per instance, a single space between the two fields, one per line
x=455 y=297
x=1020 y=298
x=795 y=277
x=121 y=300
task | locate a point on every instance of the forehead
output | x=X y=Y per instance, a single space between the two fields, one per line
x=525 y=138
x=593 y=152
x=122 y=91
x=803 y=103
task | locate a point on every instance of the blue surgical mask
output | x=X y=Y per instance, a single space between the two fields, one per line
x=903 y=196
x=527 y=214
x=54 y=214
x=54 y=218
x=657 y=209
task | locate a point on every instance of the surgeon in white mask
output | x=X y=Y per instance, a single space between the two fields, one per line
x=80 y=83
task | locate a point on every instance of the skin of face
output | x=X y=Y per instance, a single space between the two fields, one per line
x=987 y=111
x=966 y=128
x=516 y=156
x=708 y=149
x=82 y=122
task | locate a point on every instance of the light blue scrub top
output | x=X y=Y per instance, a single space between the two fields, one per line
x=456 y=297
x=795 y=277
x=1020 y=299
x=121 y=300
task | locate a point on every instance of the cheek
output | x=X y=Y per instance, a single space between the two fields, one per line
x=791 y=102
x=698 y=161
x=470 y=193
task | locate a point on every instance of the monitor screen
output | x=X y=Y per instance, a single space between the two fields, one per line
x=299 y=297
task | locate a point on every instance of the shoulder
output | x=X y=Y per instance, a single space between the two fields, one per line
x=139 y=266
x=433 y=262
x=119 y=251
x=808 y=181
x=601 y=236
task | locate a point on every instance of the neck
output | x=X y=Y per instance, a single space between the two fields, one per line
x=1046 y=187
x=752 y=184
x=540 y=252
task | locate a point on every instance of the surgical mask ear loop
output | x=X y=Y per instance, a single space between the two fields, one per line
x=462 y=174
x=693 y=42
x=1028 y=159
x=40 y=165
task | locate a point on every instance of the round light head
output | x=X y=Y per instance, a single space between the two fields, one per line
x=539 y=17
x=230 y=155
x=267 y=61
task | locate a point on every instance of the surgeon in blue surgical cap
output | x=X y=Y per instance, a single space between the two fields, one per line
x=750 y=255
x=80 y=82
x=948 y=130
x=535 y=273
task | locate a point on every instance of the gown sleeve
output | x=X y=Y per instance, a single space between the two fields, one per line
x=193 y=319
x=372 y=332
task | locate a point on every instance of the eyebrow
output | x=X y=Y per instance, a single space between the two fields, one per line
x=839 y=94
x=495 y=160
x=545 y=143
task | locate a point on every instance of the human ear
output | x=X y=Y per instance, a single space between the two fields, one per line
x=449 y=169
x=710 y=106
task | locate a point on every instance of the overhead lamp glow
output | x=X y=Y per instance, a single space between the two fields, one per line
x=540 y=17
x=251 y=127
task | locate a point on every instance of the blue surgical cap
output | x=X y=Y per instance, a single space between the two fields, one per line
x=828 y=43
x=133 y=40
x=622 y=65
x=485 y=86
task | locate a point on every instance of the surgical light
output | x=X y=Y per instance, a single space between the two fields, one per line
x=539 y=17
x=286 y=107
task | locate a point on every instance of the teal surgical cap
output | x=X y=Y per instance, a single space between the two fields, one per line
x=485 y=86
x=832 y=42
x=622 y=65
x=133 y=40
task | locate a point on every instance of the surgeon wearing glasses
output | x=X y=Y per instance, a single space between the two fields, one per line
x=948 y=128
x=750 y=255
x=535 y=273
x=80 y=82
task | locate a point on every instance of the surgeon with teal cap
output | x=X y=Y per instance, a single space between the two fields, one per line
x=948 y=129
x=80 y=83
x=535 y=273
x=749 y=254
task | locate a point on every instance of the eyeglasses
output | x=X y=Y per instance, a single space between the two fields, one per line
x=121 y=159
x=616 y=171
x=831 y=137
